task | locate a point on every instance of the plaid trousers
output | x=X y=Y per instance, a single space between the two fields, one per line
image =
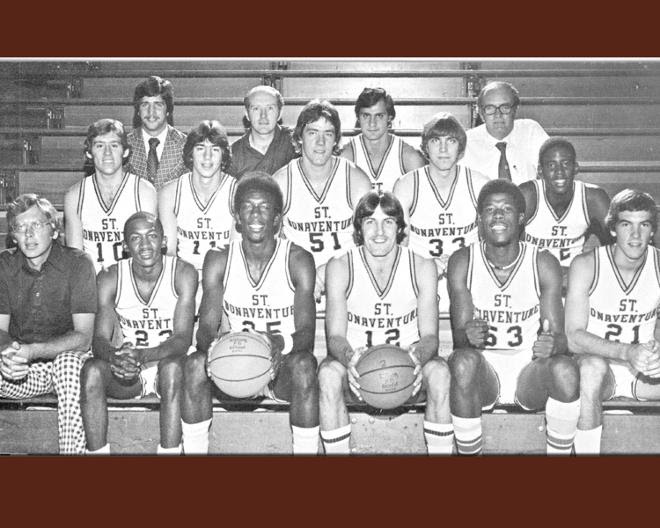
x=62 y=375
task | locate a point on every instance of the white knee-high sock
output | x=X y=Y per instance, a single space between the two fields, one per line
x=196 y=437
x=467 y=432
x=305 y=440
x=439 y=438
x=561 y=420
x=337 y=441
x=587 y=441
x=160 y=450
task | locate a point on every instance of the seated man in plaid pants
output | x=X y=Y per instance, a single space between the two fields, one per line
x=47 y=308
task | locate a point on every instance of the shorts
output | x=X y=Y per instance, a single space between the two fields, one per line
x=625 y=379
x=443 y=297
x=149 y=381
x=507 y=366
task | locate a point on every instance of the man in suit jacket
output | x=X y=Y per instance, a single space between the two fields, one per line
x=153 y=131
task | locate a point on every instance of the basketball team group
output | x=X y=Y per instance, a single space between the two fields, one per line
x=180 y=254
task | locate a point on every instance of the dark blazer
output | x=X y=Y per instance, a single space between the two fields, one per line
x=170 y=165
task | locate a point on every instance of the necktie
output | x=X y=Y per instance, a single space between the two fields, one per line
x=152 y=160
x=503 y=171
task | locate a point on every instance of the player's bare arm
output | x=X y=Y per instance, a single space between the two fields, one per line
x=552 y=339
x=166 y=199
x=148 y=197
x=528 y=190
x=598 y=202
x=210 y=309
x=466 y=330
x=72 y=223
x=580 y=341
x=427 y=309
x=336 y=313
x=303 y=276
x=347 y=152
x=185 y=284
x=106 y=317
x=412 y=158
x=404 y=190
x=360 y=184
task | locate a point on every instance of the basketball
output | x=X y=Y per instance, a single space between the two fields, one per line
x=386 y=376
x=239 y=364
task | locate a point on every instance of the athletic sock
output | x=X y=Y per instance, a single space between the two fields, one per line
x=105 y=450
x=468 y=435
x=305 y=440
x=337 y=441
x=561 y=424
x=160 y=450
x=439 y=438
x=196 y=437
x=587 y=441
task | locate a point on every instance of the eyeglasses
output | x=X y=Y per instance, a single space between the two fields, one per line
x=34 y=227
x=503 y=109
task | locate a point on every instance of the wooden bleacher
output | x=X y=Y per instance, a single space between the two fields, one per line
x=608 y=109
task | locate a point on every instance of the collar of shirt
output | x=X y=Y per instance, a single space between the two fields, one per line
x=509 y=140
x=161 y=141
x=55 y=259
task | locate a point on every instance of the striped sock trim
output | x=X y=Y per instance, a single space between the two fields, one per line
x=469 y=447
x=336 y=439
x=336 y=435
x=438 y=433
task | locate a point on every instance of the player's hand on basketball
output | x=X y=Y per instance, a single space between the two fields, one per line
x=275 y=362
x=319 y=286
x=352 y=373
x=13 y=366
x=544 y=346
x=477 y=332
x=417 y=384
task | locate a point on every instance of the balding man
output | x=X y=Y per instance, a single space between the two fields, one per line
x=503 y=146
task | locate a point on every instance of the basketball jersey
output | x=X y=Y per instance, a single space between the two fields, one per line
x=511 y=309
x=441 y=226
x=146 y=322
x=620 y=312
x=321 y=224
x=387 y=316
x=391 y=167
x=265 y=305
x=199 y=227
x=103 y=227
x=563 y=236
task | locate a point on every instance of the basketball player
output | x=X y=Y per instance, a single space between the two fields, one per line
x=562 y=212
x=196 y=208
x=260 y=273
x=503 y=292
x=320 y=189
x=266 y=146
x=611 y=315
x=440 y=200
x=381 y=292
x=152 y=297
x=96 y=208
x=380 y=154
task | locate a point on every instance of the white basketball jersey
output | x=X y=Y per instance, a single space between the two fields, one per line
x=512 y=309
x=441 y=226
x=103 y=227
x=387 y=316
x=146 y=322
x=265 y=305
x=320 y=223
x=202 y=227
x=563 y=235
x=620 y=312
x=390 y=169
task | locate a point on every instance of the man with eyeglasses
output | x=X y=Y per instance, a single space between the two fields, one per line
x=503 y=146
x=562 y=212
x=156 y=146
x=383 y=156
x=47 y=308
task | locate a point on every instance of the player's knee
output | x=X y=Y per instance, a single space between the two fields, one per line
x=92 y=377
x=194 y=370
x=464 y=366
x=436 y=377
x=565 y=376
x=331 y=377
x=593 y=370
x=303 y=367
x=170 y=376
